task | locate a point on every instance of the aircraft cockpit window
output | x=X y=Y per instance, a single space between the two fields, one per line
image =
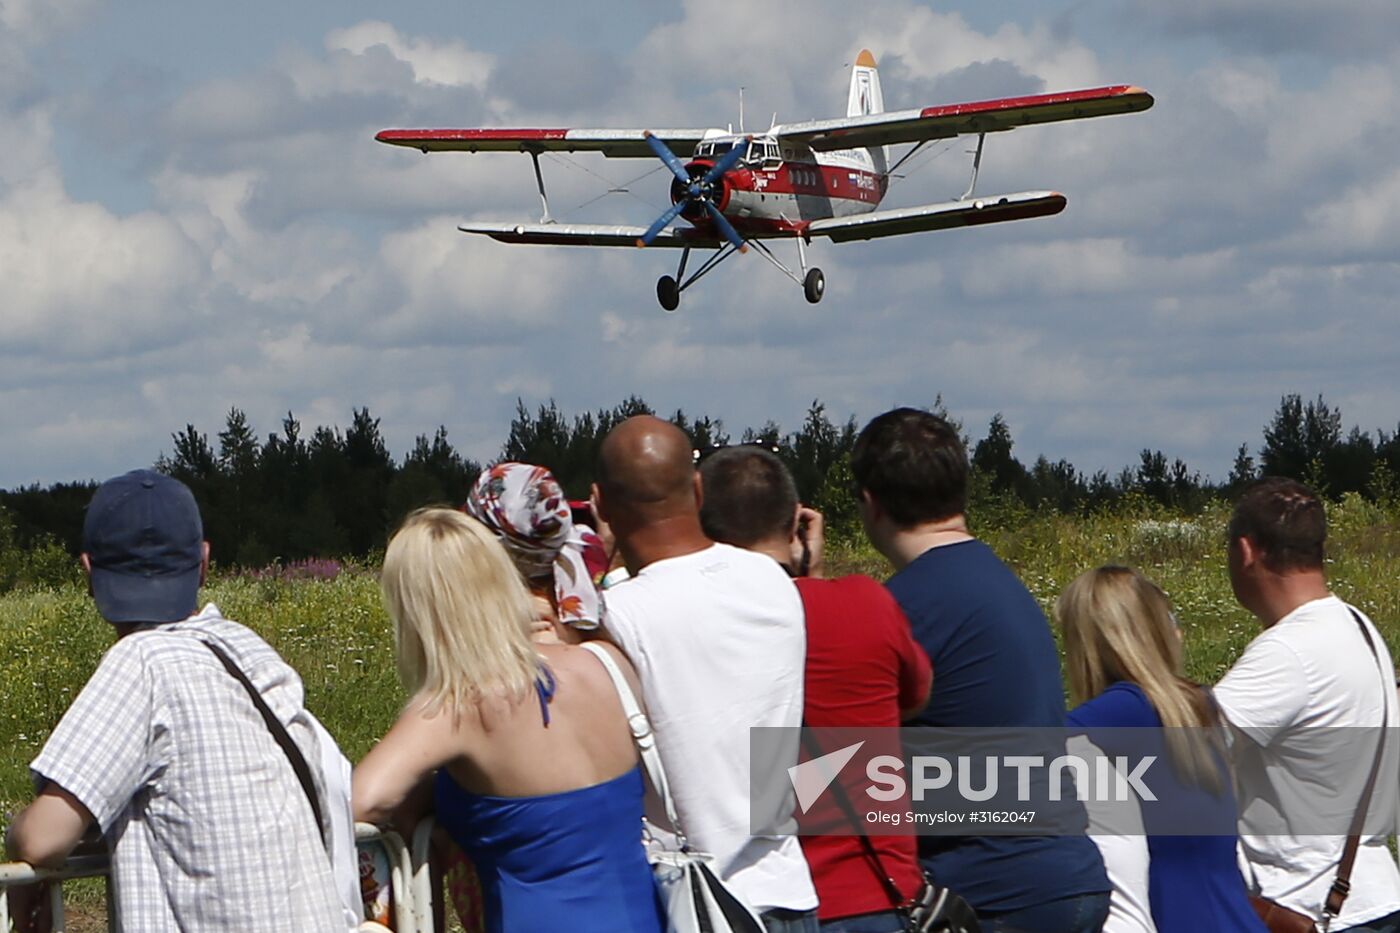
x=762 y=152
x=712 y=150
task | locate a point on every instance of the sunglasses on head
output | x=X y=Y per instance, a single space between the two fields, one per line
x=700 y=454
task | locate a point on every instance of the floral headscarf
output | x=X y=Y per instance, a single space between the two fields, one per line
x=525 y=507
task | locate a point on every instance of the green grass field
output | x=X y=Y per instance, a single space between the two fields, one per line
x=337 y=634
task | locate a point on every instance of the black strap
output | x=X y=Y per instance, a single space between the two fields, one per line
x=877 y=864
x=1341 y=886
x=279 y=732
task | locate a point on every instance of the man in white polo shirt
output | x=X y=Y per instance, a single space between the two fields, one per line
x=718 y=638
x=1305 y=701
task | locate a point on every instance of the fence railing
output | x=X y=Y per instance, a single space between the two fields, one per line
x=83 y=866
x=410 y=879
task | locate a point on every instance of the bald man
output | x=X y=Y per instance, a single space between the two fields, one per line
x=718 y=638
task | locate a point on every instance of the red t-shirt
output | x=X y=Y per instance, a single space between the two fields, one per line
x=863 y=667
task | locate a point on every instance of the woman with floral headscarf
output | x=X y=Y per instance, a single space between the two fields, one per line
x=525 y=507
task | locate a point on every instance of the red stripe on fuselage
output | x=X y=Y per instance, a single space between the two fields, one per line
x=809 y=180
x=815 y=186
x=830 y=181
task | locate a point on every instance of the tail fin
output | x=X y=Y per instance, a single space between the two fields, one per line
x=865 y=96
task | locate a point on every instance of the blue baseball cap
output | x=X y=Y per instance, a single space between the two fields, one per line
x=145 y=541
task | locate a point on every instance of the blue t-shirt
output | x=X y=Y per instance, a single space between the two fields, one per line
x=994 y=664
x=1193 y=882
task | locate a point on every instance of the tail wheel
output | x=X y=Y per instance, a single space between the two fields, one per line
x=668 y=292
x=813 y=286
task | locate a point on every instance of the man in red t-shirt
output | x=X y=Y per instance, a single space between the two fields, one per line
x=863 y=670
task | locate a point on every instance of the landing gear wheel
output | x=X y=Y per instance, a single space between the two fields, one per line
x=814 y=286
x=669 y=293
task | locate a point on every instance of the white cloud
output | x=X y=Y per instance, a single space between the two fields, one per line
x=1362 y=221
x=81 y=281
x=40 y=19
x=1089 y=266
x=450 y=63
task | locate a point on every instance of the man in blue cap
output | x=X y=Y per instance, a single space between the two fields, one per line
x=182 y=747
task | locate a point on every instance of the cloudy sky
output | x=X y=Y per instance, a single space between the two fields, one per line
x=194 y=215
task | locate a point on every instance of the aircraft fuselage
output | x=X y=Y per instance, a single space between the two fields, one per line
x=779 y=189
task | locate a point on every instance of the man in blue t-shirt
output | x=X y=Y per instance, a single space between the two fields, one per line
x=994 y=665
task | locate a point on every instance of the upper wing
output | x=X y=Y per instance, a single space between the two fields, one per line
x=988 y=210
x=613 y=143
x=587 y=235
x=988 y=116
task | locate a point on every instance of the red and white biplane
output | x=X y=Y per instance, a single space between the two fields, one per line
x=823 y=178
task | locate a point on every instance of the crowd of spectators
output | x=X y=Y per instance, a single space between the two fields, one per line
x=191 y=757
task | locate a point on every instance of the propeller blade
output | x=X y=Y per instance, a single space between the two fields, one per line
x=731 y=159
x=723 y=225
x=661 y=223
x=666 y=155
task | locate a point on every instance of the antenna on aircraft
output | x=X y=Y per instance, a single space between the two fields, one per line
x=741 y=108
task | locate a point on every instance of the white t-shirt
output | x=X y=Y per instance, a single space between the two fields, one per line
x=719 y=641
x=1295 y=699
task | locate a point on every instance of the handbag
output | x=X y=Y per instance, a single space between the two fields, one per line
x=1280 y=919
x=694 y=897
x=934 y=908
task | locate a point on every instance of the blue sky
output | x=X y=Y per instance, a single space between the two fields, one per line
x=194 y=215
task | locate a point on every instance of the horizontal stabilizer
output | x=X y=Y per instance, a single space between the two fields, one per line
x=986 y=210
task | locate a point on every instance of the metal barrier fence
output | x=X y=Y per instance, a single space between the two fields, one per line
x=410 y=878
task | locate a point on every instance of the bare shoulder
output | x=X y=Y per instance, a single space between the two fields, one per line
x=443 y=726
x=581 y=663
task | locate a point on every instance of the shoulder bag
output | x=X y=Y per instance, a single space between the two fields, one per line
x=694 y=897
x=1280 y=919
x=934 y=908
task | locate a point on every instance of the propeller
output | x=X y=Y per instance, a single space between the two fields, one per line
x=698 y=191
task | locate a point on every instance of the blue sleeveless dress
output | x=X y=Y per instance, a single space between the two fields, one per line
x=567 y=861
x=1193 y=882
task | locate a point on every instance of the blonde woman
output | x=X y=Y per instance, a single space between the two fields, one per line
x=521 y=749
x=1123 y=654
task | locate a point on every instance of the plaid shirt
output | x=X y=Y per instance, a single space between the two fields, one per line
x=209 y=827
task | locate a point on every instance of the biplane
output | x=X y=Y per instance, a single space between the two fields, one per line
x=796 y=181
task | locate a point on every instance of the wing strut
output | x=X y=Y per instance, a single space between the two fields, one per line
x=976 y=166
x=539 y=180
x=906 y=157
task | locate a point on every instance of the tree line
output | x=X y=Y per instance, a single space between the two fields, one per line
x=294 y=495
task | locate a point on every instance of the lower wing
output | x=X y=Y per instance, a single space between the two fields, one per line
x=587 y=235
x=985 y=210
